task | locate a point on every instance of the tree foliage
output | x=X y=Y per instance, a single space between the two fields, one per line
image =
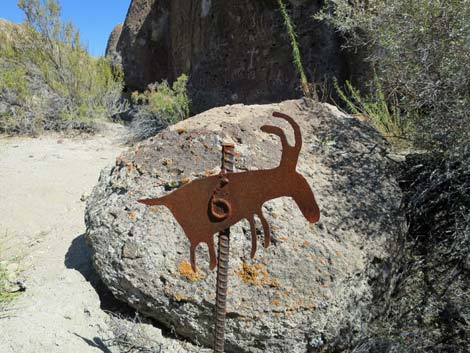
x=48 y=78
x=420 y=53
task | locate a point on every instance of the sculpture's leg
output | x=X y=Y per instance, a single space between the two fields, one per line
x=253 y=236
x=267 y=234
x=212 y=259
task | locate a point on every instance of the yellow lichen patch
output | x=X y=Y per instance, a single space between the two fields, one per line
x=256 y=275
x=153 y=209
x=181 y=131
x=184 y=180
x=209 y=172
x=179 y=297
x=249 y=273
x=274 y=283
x=284 y=238
x=185 y=270
x=275 y=214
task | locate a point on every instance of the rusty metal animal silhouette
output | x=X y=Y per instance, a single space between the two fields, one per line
x=209 y=205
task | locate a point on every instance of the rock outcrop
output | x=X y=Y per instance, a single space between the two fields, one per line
x=113 y=40
x=311 y=289
x=232 y=51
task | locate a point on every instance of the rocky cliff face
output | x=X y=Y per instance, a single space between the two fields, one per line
x=233 y=51
x=311 y=290
x=113 y=40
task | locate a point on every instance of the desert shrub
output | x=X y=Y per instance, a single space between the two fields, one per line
x=49 y=81
x=419 y=52
x=159 y=106
x=430 y=306
x=387 y=118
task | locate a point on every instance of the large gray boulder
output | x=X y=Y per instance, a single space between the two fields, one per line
x=311 y=290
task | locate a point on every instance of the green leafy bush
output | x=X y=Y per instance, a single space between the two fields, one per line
x=48 y=79
x=419 y=51
x=159 y=106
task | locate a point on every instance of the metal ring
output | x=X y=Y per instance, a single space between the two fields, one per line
x=220 y=209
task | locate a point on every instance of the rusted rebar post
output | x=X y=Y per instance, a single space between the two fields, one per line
x=223 y=260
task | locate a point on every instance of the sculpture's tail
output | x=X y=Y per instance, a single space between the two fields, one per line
x=152 y=202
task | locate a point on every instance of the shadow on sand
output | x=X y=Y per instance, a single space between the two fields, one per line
x=78 y=257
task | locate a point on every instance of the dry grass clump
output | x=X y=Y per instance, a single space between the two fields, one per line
x=10 y=285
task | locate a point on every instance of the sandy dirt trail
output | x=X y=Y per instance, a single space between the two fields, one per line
x=42 y=181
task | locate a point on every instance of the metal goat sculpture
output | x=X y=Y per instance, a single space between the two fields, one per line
x=210 y=205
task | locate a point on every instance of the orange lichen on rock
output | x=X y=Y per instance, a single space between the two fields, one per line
x=185 y=270
x=132 y=214
x=276 y=302
x=256 y=275
x=209 y=172
x=185 y=180
x=306 y=243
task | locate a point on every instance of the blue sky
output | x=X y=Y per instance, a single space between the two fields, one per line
x=94 y=18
